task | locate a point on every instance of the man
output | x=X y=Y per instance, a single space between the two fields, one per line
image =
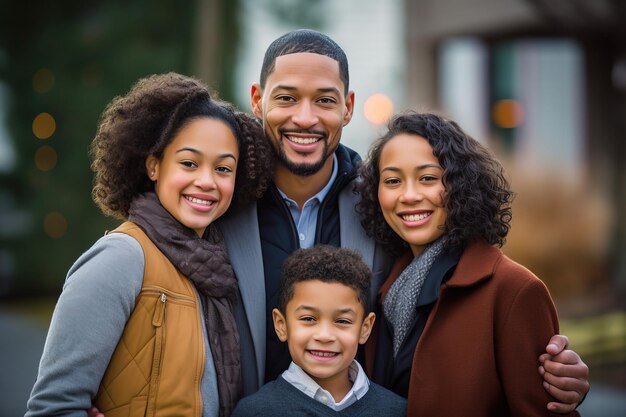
x=304 y=101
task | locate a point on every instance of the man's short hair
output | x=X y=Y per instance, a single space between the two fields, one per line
x=327 y=264
x=305 y=40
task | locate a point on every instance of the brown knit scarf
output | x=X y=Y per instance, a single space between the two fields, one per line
x=205 y=262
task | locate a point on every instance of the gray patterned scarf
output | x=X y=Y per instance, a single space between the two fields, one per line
x=400 y=304
x=206 y=264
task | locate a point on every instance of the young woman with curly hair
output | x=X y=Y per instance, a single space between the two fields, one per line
x=461 y=324
x=145 y=321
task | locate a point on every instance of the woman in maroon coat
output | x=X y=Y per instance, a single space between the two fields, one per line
x=460 y=324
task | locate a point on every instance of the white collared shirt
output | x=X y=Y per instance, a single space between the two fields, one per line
x=302 y=381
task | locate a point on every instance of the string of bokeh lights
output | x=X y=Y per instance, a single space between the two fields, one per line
x=46 y=158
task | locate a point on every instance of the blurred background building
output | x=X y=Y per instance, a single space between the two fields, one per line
x=541 y=82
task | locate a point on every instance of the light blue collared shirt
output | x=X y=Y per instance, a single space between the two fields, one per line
x=301 y=380
x=306 y=220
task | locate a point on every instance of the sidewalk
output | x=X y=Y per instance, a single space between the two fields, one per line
x=22 y=342
x=20 y=349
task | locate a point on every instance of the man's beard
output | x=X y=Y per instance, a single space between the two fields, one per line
x=303 y=169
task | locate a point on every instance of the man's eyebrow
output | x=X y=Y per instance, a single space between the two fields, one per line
x=333 y=90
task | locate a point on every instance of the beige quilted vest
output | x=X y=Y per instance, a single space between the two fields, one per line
x=157 y=366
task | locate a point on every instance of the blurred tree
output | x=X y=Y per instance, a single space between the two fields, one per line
x=600 y=26
x=68 y=59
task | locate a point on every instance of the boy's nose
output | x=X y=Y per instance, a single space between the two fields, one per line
x=324 y=333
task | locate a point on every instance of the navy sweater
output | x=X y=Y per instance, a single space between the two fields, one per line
x=281 y=399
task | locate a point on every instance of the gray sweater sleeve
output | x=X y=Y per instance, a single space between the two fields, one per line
x=89 y=318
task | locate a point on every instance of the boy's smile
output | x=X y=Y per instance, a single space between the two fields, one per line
x=323 y=326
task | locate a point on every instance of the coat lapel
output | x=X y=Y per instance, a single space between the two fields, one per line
x=243 y=242
x=352 y=234
x=477 y=263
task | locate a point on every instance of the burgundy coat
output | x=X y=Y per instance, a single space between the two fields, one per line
x=478 y=354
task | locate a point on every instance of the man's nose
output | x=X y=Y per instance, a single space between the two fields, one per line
x=305 y=115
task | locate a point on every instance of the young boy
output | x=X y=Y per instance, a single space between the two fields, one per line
x=323 y=316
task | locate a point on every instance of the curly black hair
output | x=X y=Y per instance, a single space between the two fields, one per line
x=145 y=120
x=327 y=264
x=477 y=195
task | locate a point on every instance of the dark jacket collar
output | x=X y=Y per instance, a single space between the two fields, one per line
x=477 y=261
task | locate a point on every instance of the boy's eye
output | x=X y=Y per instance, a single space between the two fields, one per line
x=343 y=321
x=307 y=319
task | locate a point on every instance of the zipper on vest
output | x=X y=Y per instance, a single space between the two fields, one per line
x=159 y=311
x=158 y=321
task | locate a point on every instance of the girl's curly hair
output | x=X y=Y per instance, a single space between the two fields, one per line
x=477 y=195
x=144 y=121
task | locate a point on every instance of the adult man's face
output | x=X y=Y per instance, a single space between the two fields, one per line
x=303 y=109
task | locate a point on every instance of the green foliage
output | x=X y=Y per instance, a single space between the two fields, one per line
x=95 y=51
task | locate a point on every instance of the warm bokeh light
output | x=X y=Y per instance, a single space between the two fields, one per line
x=44 y=125
x=508 y=113
x=45 y=158
x=378 y=109
x=43 y=81
x=54 y=225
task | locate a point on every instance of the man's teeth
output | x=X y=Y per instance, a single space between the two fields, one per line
x=302 y=141
x=414 y=217
x=198 y=201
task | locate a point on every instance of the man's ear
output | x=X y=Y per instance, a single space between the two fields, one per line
x=366 y=327
x=256 y=100
x=349 y=107
x=280 y=325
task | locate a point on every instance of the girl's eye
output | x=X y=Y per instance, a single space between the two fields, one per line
x=429 y=178
x=189 y=164
x=224 y=169
x=391 y=181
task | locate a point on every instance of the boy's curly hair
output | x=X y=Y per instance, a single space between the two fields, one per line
x=144 y=121
x=477 y=195
x=327 y=264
